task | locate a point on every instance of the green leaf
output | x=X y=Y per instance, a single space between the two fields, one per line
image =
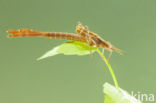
x=70 y=48
x=114 y=95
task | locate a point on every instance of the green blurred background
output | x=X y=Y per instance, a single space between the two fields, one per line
x=128 y=24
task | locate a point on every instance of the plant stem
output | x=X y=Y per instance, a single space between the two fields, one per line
x=110 y=68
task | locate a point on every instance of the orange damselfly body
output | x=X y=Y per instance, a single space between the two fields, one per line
x=84 y=35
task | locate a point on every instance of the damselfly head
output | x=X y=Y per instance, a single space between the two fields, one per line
x=79 y=28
